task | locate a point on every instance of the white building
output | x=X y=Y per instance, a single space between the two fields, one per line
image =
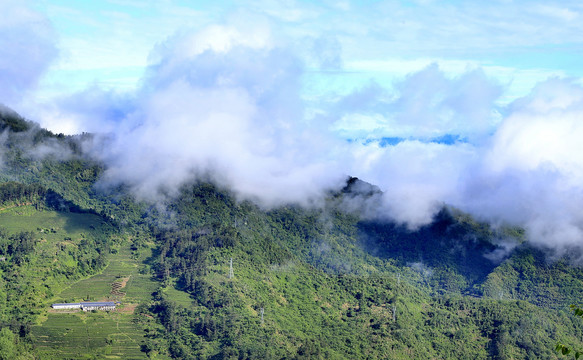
x=107 y=306
x=87 y=306
x=67 y=306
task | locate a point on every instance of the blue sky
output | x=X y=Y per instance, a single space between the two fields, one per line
x=518 y=43
x=474 y=104
x=344 y=45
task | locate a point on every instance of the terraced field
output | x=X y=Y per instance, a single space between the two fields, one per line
x=78 y=335
x=86 y=335
x=122 y=266
x=113 y=335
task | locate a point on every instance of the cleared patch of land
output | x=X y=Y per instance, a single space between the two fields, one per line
x=51 y=225
x=179 y=297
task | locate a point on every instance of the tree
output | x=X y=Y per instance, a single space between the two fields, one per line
x=564 y=349
x=7 y=347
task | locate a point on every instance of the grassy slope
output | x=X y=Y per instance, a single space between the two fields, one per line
x=118 y=334
x=62 y=335
x=55 y=259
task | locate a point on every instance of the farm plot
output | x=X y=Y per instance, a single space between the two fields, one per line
x=85 y=335
x=123 y=269
x=113 y=335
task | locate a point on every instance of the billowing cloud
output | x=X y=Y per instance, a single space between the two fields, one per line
x=225 y=105
x=27 y=47
x=417 y=178
x=527 y=173
x=532 y=173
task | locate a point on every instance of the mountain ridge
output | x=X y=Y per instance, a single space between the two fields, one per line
x=320 y=282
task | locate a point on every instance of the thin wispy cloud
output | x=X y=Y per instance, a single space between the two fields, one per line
x=426 y=104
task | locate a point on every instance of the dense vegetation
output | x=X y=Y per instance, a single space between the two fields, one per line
x=307 y=283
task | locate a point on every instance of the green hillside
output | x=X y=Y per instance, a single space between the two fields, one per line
x=120 y=334
x=317 y=283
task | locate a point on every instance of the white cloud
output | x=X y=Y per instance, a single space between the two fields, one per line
x=92 y=109
x=229 y=112
x=534 y=165
x=26 y=50
x=543 y=130
x=226 y=102
x=426 y=104
x=527 y=173
x=417 y=178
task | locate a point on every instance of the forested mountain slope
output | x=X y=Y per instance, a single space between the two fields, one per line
x=320 y=282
